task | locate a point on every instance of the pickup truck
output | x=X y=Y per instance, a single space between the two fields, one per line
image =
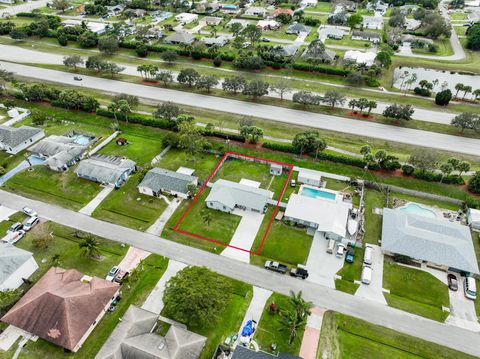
x=299 y=272
x=121 y=275
x=276 y=267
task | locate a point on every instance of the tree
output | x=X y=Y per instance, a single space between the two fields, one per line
x=169 y=56
x=253 y=33
x=251 y=133
x=306 y=98
x=108 y=45
x=190 y=138
x=474 y=183
x=141 y=50
x=196 y=296
x=455 y=162
x=463 y=167
x=466 y=89
x=168 y=111
x=476 y=93
x=164 y=76
x=399 y=112
x=424 y=160
x=18 y=34
x=284 y=18
x=473 y=37
x=236 y=28
x=132 y=100
x=188 y=77
x=384 y=59
x=370 y=106
x=207 y=82
x=256 y=88
x=148 y=71
x=112 y=68
x=88 y=39
x=233 y=84
x=124 y=109
x=459 y=87
x=294 y=318
x=308 y=142
x=192 y=190
x=333 y=98
x=55 y=260
x=89 y=247
x=61 y=5
x=446 y=169
x=281 y=87
x=464 y=121
x=73 y=61
x=355 y=78
x=354 y=20
x=207 y=218
x=443 y=97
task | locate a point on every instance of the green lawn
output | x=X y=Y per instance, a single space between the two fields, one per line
x=284 y=243
x=128 y=207
x=373 y=222
x=270 y=329
x=64 y=189
x=9 y=161
x=348 y=41
x=236 y=169
x=415 y=291
x=343 y=336
x=14 y=218
x=350 y=272
x=321 y=6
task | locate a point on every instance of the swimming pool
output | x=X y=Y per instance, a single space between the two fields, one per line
x=82 y=139
x=316 y=193
x=413 y=208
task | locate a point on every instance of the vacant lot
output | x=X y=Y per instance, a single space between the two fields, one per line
x=373 y=221
x=415 y=291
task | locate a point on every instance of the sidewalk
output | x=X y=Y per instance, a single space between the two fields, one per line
x=94 y=203
x=157 y=227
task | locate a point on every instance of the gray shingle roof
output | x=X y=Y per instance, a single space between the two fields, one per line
x=14 y=136
x=241 y=352
x=105 y=169
x=159 y=178
x=11 y=258
x=429 y=239
x=366 y=34
x=180 y=37
x=59 y=150
x=297 y=28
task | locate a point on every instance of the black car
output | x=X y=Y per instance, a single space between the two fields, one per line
x=299 y=272
x=452 y=282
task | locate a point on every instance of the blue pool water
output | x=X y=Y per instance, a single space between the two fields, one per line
x=415 y=209
x=316 y=193
x=82 y=139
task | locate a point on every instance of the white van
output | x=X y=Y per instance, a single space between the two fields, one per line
x=367 y=257
x=366 y=274
x=331 y=246
x=470 y=288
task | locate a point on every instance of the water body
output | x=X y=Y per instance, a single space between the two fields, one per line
x=451 y=79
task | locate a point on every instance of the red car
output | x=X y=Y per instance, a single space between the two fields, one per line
x=452 y=282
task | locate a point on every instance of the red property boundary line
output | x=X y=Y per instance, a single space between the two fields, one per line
x=219 y=164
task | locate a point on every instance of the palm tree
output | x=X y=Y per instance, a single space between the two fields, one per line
x=89 y=247
x=466 y=89
x=459 y=87
x=301 y=306
x=207 y=218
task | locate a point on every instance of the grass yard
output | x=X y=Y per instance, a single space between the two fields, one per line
x=236 y=169
x=270 y=329
x=321 y=6
x=128 y=207
x=443 y=45
x=14 y=218
x=203 y=164
x=64 y=189
x=9 y=161
x=373 y=222
x=350 y=272
x=415 y=291
x=348 y=41
x=284 y=243
x=343 y=336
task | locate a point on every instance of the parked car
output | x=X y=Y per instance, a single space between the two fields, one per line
x=331 y=246
x=366 y=274
x=367 y=256
x=299 y=272
x=32 y=222
x=77 y=78
x=15 y=227
x=112 y=274
x=470 y=288
x=340 y=250
x=13 y=237
x=276 y=267
x=264 y=39
x=29 y=212
x=452 y=282
x=120 y=277
x=350 y=256
x=293 y=183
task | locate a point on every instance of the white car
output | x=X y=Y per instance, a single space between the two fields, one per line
x=340 y=250
x=29 y=212
x=112 y=274
x=32 y=222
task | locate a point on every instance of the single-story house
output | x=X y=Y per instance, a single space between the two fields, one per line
x=276 y=169
x=473 y=218
x=16 y=139
x=268 y=24
x=154 y=33
x=219 y=41
x=377 y=6
x=186 y=18
x=309 y=3
x=373 y=22
x=139 y=12
x=297 y=29
x=373 y=37
x=63 y=307
x=289 y=50
x=95 y=27
x=330 y=217
x=349 y=5
x=229 y=9
x=408 y=8
x=161 y=15
x=436 y=241
x=325 y=56
x=312 y=178
x=108 y=170
x=226 y=195
x=279 y=11
x=59 y=152
x=330 y=32
x=242 y=22
x=160 y=180
x=212 y=20
x=135 y=337
x=360 y=57
x=256 y=11
x=412 y=24
x=16 y=265
x=115 y=9
x=179 y=38
x=242 y=352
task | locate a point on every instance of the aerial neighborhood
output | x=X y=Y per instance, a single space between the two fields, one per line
x=239 y=179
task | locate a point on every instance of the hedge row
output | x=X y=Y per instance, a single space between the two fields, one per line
x=320 y=68
x=438 y=177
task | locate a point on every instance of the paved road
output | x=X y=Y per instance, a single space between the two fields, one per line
x=333 y=123
x=454 y=337
x=23 y=7
x=25 y=56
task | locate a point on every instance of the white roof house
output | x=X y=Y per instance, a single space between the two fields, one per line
x=306 y=3
x=186 y=17
x=179 y=38
x=412 y=24
x=433 y=240
x=373 y=22
x=309 y=177
x=97 y=27
x=227 y=195
x=219 y=41
x=325 y=215
x=15 y=265
x=256 y=11
x=331 y=32
x=360 y=57
x=474 y=218
x=268 y=24
x=242 y=22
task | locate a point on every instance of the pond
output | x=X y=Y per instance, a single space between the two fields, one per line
x=449 y=78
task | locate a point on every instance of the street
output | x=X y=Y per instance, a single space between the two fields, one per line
x=451 y=336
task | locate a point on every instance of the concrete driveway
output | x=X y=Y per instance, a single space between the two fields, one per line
x=322 y=266
x=462 y=310
x=5 y=213
x=244 y=236
x=373 y=291
x=255 y=308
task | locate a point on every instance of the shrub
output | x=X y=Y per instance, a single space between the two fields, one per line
x=443 y=97
x=474 y=183
x=141 y=50
x=408 y=170
x=422 y=91
x=217 y=62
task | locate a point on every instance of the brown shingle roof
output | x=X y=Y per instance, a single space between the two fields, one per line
x=60 y=308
